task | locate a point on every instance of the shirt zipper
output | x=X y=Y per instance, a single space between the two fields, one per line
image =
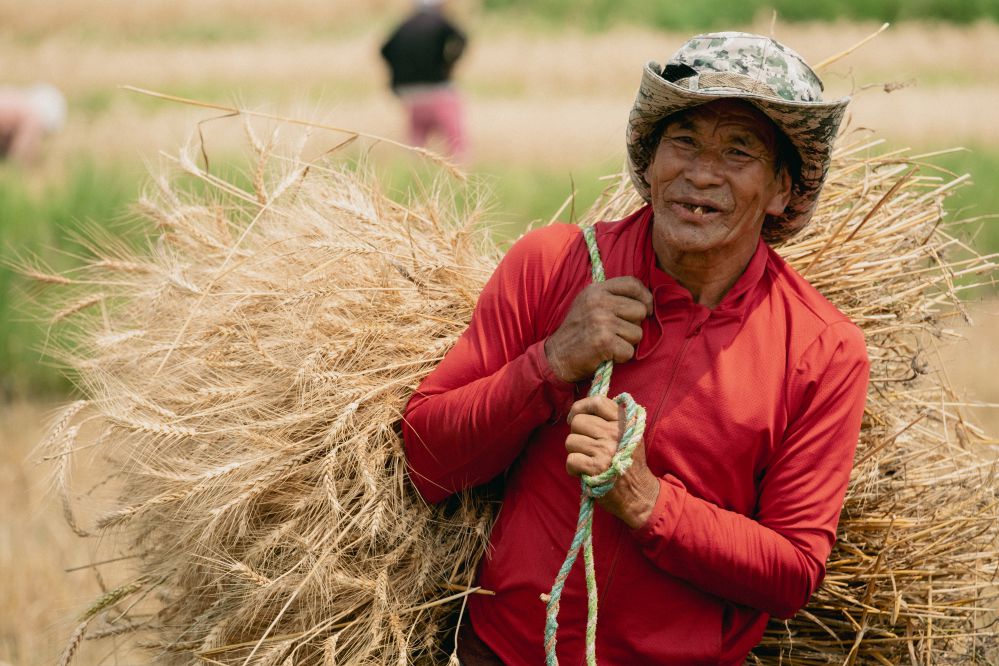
x=690 y=335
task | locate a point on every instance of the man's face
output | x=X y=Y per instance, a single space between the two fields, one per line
x=713 y=182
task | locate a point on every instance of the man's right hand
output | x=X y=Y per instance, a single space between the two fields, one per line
x=603 y=323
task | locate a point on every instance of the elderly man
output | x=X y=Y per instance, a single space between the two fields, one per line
x=754 y=384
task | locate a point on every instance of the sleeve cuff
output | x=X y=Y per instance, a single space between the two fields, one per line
x=665 y=516
x=560 y=393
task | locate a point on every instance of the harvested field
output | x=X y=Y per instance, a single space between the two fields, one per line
x=513 y=117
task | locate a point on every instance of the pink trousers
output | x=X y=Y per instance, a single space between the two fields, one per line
x=436 y=111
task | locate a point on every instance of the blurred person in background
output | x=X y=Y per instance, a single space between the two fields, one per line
x=27 y=115
x=421 y=54
x=754 y=383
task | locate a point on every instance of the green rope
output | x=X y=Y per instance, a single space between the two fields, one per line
x=593 y=487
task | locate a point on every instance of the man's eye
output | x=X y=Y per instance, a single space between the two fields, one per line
x=682 y=140
x=737 y=154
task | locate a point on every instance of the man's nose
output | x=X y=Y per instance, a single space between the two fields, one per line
x=704 y=168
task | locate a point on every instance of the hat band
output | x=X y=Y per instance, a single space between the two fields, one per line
x=726 y=80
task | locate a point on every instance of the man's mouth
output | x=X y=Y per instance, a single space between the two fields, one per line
x=698 y=209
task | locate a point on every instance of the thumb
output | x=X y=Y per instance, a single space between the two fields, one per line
x=638 y=455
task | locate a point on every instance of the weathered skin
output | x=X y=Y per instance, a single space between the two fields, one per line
x=762 y=72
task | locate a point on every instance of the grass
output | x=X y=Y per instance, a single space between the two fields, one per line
x=981 y=199
x=528 y=196
x=716 y=14
x=40 y=218
x=38 y=600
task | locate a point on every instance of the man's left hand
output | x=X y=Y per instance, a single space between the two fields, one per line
x=595 y=428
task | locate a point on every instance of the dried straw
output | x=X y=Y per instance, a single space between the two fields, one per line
x=248 y=370
x=248 y=373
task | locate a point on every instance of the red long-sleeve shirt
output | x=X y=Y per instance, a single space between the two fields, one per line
x=754 y=408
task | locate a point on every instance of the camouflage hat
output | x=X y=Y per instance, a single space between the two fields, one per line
x=760 y=71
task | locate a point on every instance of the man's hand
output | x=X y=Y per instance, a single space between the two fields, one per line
x=595 y=428
x=604 y=323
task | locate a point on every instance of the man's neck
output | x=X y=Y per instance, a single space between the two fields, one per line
x=707 y=276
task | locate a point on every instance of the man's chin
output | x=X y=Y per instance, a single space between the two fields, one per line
x=689 y=236
x=694 y=241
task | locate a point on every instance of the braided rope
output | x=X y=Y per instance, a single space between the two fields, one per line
x=592 y=488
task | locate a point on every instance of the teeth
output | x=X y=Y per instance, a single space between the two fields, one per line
x=696 y=209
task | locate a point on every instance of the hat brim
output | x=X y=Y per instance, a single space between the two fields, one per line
x=811 y=127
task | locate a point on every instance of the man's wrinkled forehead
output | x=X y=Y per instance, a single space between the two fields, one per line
x=732 y=115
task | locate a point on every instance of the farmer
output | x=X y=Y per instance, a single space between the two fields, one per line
x=754 y=384
x=27 y=115
x=421 y=53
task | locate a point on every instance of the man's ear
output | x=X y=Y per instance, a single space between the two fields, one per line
x=781 y=196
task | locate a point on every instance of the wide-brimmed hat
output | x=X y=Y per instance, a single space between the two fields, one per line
x=760 y=71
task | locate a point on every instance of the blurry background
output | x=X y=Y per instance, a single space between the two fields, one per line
x=548 y=85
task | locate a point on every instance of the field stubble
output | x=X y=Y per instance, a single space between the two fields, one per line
x=38 y=599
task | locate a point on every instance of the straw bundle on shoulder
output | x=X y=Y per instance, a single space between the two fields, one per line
x=247 y=374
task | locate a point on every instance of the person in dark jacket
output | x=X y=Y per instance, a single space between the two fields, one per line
x=421 y=54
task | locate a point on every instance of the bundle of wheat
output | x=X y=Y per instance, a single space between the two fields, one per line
x=247 y=371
